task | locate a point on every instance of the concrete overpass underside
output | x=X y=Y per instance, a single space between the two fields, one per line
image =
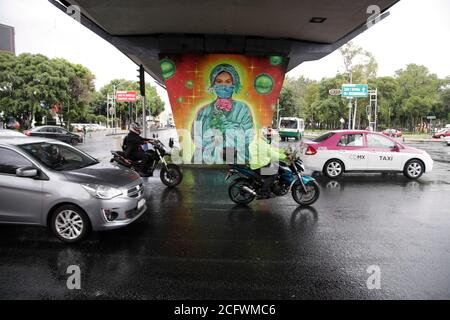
x=302 y=30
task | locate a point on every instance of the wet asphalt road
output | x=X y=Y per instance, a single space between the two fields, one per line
x=193 y=243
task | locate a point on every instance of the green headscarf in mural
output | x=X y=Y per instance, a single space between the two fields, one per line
x=224 y=67
x=223 y=123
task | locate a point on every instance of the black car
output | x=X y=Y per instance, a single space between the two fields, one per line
x=54 y=132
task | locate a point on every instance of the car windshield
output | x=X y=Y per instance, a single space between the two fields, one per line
x=323 y=137
x=288 y=124
x=57 y=156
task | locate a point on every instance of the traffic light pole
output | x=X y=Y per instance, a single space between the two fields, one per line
x=144 y=122
x=141 y=77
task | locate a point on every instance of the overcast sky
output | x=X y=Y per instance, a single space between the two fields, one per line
x=417 y=31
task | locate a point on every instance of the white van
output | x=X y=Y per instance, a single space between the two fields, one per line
x=291 y=127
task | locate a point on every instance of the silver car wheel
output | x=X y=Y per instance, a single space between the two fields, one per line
x=334 y=169
x=69 y=224
x=414 y=169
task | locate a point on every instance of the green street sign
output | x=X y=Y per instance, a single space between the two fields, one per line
x=355 y=90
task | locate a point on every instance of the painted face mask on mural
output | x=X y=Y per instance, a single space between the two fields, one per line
x=223 y=91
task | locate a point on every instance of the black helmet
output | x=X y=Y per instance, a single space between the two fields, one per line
x=136 y=128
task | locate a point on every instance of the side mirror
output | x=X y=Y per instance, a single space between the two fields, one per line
x=171 y=143
x=396 y=147
x=26 y=172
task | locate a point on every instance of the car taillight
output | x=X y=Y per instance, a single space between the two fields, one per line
x=27 y=133
x=310 y=151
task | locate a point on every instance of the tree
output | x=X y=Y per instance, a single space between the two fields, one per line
x=311 y=95
x=388 y=100
x=32 y=85
x=126 y=111
x=444 y=111
x=328 y=110
x=418 y=94
x=360 y=63
x=287 y=105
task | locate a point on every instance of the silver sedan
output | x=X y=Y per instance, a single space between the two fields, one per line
x=49 y=183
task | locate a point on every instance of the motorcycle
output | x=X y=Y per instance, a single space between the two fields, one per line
x=170 y=173
x=247 y=186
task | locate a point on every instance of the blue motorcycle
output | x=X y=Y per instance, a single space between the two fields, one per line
x=247 y=185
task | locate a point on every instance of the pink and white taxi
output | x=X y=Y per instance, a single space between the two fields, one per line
x=340 y=151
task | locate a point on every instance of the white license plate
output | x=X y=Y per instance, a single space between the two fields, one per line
x=141 y=203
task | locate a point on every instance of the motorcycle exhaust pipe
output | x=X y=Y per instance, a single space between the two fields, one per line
x=248 y=190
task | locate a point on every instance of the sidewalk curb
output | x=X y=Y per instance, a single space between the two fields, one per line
x=422 y=140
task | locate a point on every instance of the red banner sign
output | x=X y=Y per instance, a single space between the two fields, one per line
x=126 y=96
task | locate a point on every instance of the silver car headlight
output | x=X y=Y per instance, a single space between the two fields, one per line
x=102 y=192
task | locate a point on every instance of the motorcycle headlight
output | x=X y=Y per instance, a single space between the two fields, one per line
x=102 y=192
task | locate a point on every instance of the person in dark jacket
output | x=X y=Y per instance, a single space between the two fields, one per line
x=133 y=150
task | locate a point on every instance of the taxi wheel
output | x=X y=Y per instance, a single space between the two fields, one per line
x=413 y=169
x=333 y=169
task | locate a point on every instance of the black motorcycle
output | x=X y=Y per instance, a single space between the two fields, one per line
x=170 y=173
x=248 y=184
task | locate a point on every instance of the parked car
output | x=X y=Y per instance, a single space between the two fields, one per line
x=55 y=132
x=49 y=183
x=340 y=151
x=442 y=133
x=98 y=127
x=94 y=127
x=13 y=124
x=77 y=127
x=393 y=133
x=10 y=133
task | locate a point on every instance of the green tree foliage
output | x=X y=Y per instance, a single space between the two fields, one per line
x=32 y=85
x=360 y=63
x=418 y=95
x=127 y=110
x=404 y=100
x=388 y=91
x=288 y=106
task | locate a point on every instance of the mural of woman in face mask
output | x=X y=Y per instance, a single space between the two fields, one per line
x=225 y=122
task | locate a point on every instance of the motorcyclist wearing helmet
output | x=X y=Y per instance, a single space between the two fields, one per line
x=133 y=150
x=264 y=159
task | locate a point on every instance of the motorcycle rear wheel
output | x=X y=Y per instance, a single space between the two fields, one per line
x=239 y=196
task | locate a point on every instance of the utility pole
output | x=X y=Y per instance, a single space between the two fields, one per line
x=350 y=103
x=107 y=111
x=354 y=114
